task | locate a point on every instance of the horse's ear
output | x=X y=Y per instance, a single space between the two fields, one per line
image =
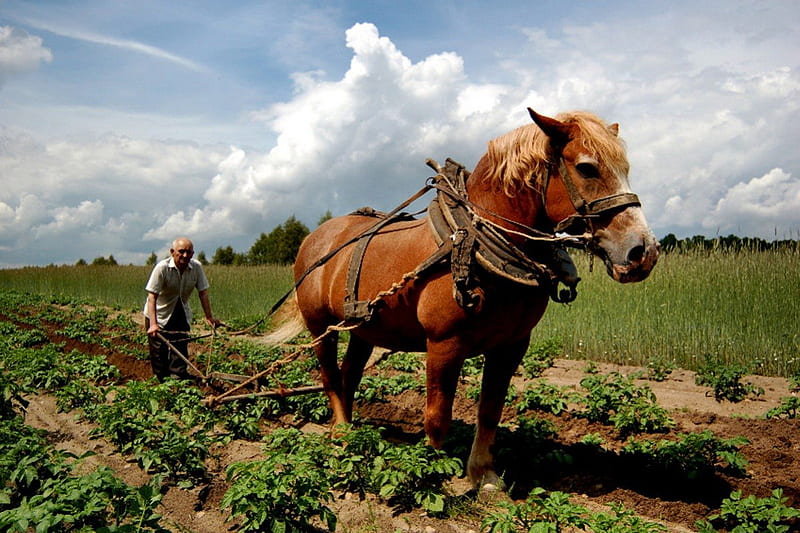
x=614 y=129
x=557 y=131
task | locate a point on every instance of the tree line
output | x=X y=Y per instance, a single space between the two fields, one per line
x=731 y=243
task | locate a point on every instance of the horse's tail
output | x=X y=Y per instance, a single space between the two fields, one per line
x=288 y=321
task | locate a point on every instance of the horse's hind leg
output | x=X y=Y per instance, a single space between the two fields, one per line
x=355 y=359
x=499 y=367
x=326 y=350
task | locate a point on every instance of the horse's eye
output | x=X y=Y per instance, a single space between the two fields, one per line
x=588 y=170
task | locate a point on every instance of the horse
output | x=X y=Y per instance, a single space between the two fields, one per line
x=542 y=176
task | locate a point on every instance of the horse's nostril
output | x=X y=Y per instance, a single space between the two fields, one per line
x=636 y=254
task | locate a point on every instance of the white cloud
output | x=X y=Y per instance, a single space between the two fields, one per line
x=92 y=197
x=363 y=138
x=69 y=219
x=763 y=204
x=125 y=44
x=20 y=52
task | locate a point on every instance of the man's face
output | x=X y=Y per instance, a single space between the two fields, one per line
x=181 y=253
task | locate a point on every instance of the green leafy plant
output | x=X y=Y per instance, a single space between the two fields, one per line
x=378 y=388
x=616 y=399
x=11 y=399
x=77 y=394
x=694 y=454
x=592 y=439
x=726 y=381
x=546 y=397
x=659 y=368
x=413 y=475
x=541 y=355
x=402 y=361
x=284 y=492
x=554 y=513
x=753 y=515
x=539 y=513
x=622 y=520
x=788 y=408
x=44 y=489
x=140 y=421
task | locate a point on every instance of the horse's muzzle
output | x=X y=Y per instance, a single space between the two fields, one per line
x=635 y=262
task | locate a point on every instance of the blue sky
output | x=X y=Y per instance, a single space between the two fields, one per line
x=125 y=124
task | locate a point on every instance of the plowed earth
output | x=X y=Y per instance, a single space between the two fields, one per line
x=593 y=476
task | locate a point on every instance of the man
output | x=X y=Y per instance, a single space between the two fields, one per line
x=167 y=311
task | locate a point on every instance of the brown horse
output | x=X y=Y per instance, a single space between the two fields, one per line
x=536 y=177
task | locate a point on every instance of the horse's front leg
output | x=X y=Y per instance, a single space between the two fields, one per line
x=443 y=366
x=499 y=367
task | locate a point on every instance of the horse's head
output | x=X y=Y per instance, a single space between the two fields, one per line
x=587 y=183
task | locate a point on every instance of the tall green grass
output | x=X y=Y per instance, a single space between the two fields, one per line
x=734 y=307
x=236 y=292
x=731 y=307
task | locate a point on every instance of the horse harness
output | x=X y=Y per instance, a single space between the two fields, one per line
x=471 y=245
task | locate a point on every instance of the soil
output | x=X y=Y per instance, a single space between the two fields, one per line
x=594 y=477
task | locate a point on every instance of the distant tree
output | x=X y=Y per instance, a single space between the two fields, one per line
x=224 y=256
x=81 y=262
x=281 y=245
x=669 y=243
x=324 y=218
x=202 y=258
x=264 y=248
x=102 y=261
x=152 y=260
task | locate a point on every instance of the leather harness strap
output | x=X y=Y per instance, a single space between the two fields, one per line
x=588 y=210
x=466 y=242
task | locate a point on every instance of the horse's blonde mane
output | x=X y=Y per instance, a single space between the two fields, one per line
x=522 y=157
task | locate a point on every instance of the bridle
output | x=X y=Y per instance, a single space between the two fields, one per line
x=585 y=211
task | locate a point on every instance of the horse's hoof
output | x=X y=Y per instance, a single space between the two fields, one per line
x=492 y=492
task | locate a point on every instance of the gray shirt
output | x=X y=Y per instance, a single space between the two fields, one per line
x=172 y=286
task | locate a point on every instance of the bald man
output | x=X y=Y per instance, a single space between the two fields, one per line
x=167 y=309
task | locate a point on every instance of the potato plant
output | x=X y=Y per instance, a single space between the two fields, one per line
x=693 y=454
x=753 y=515
x=554 y=513
x=617 y=400
x=290 y=488
x=726 y=381
x=44 y=489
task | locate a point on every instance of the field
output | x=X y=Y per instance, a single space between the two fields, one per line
x=606 y=429
x=731 y=307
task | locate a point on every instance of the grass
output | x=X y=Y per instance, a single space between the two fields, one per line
x=236 y=292
x=732 y=307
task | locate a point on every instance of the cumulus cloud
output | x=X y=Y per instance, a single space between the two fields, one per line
x=762 y=204
x=20 y=52
x=91 y=197
x=340 y=144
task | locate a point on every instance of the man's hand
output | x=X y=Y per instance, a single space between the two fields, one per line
x=153 y=329
x=213 y=322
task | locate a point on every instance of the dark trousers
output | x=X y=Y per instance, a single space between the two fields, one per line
x=163 y=360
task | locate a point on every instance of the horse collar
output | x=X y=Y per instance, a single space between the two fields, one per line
x=476 y=243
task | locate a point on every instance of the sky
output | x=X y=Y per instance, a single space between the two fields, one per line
x=126 y=124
